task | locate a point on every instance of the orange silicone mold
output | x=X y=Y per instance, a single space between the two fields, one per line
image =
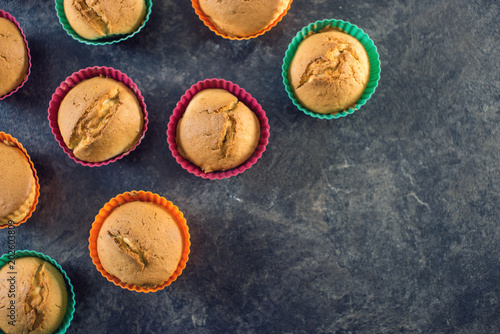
x=8 y=139
x=206 y=20
x=143 y=196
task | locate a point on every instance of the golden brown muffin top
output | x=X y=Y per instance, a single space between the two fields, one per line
x=329 y=71
x=242 y=18
x=16 y=179
x=217 y=132
x=100 y=118
x=93 y=19
x=40 y=296
x=140 y=243
x=13 y=57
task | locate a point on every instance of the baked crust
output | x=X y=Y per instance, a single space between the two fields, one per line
x=93 y=19
x=41 y=297
x=100 y=118
x=140 y=243
x=17 y=184
x=329 y=71
x=14 y=60
x=217 y=132
x=243 y=18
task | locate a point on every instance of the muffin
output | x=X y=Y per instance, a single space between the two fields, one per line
x=100 y=118
x=37 y=297
x=329 y=71
x=94 y=19
x=243 y=18
x=140 y=243
x=18 y=185
x=217 y=132
x=14 y=58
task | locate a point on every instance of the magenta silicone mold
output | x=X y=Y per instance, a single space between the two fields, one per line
x=7 y=16
x=244 y=97
x=74 y=79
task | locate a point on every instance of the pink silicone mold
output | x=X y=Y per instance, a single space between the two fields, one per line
x=74 y=79
x=7 y=16
x=244 y=97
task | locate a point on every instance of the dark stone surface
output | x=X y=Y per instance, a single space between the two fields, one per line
x=386 y=221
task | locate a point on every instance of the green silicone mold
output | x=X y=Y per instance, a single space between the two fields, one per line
x=102 y=41
x=352 y=30
x=4 y=259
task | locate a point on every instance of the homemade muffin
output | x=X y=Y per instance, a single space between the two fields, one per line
x=100 y=118
x=217 y=132
x=14 y=61
x=93 y=19
x=140 y=243
x=17 y=184
x=39 y=294
x=329 y=71
x=242 y=18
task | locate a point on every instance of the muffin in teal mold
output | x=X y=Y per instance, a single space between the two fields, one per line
x=348 y=64
x=100 y=22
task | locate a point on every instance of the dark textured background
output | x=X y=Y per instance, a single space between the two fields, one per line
x=386 y=221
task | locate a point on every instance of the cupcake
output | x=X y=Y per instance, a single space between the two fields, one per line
x=19 y=188
x=98 y=115
x=103 y=18
x=330 y=71
x=217 y=130
x=140 y=241
x=37 y=300
x=103 y=21
x=14 y=56
x=241 y=19
x=99 y=119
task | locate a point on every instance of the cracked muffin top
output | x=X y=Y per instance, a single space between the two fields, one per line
x=14 y=61
x=17 y=184
x=242 y=18
x=217 y=132
x=93 y=19
x=99 y=119
x=329 y=71
x=40 y=296
x=140 y=243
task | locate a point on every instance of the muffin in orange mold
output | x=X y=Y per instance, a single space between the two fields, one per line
x=19 y=186
x=241 y=19
x=140 y=241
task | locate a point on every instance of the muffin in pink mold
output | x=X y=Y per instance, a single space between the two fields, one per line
x=217 y=130
x=15 y=58
x=98 y=115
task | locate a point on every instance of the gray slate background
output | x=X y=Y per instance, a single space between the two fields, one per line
x=382 y=222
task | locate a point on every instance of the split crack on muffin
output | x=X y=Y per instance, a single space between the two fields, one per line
x=332 y=65
x=94 y=119
x=217 y=131
x=41 y=297
x=36 y=298
x=228 y=128
x=228 y=134
x=128 y=247
x=93 y=14
x=329 y=71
